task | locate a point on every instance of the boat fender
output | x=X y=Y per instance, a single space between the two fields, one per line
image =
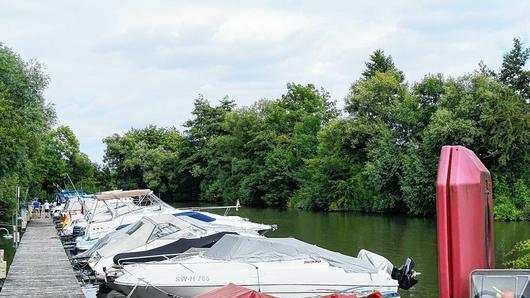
x=376 y=294
x=105 y=271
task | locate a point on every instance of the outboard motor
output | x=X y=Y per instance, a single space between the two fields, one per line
x=405 y=275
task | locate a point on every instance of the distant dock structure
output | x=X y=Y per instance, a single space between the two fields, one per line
x=41 y=267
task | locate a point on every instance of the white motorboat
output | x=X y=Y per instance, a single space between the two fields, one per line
x=283 y=267
x=65 y=201
x=146 y=203
x=149 y=233
x=121 y=208
x=79 y=212
x=71 y=211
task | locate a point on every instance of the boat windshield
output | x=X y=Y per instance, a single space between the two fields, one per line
x=162 y=230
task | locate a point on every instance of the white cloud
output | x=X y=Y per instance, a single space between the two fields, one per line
x=116 y=65
x=261 y=27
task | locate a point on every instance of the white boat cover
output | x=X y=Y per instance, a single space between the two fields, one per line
x=151 y=228
x=142 y=232
x=139 y=233
x=102 y=242
x=251 y=249
x=376 y=260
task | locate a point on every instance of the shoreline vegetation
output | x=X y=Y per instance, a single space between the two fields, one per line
x=378 y=154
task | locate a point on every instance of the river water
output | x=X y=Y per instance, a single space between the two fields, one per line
x=395 y=237
x=7 y=246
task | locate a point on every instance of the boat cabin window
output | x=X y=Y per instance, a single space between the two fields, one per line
x=135 y=227
x=162 y=230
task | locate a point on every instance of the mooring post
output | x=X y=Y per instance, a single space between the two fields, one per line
x=464 y=220
x=16 y=237
x=3 y=265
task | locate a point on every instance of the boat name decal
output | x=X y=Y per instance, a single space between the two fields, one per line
x=189 y=278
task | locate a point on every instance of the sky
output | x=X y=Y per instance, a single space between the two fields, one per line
x=117 y=65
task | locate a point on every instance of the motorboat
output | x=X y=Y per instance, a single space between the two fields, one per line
x=282 y=267
x=70 y=206
x=79 y=212
x=152 y=232
x=117 y=209
x=146 y=203
x=75 y=210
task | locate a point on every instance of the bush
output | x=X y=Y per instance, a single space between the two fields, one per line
x=519 y=256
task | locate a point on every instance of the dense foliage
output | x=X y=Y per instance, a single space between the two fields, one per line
x=377 y=154
x=33 y=154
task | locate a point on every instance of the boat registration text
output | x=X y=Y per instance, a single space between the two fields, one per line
x=189 y=278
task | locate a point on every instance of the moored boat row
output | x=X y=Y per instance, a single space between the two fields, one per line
x=133 y=242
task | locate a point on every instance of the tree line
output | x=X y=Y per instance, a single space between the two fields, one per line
x=35 y=153
x=378 y=153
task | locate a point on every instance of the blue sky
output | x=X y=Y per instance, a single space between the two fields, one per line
x=121 y=64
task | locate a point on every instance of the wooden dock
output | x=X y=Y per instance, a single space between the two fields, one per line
x=40 y=267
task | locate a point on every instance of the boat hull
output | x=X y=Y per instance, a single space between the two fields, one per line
x=299 y=278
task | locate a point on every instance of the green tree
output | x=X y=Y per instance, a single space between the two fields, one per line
x=384 y=103
x=335 y=178
x=379 y=62
x=206 y=126
x=148 y=157
x=25 y=118
x=512 y=72
x=259 y=155
x=60 y=161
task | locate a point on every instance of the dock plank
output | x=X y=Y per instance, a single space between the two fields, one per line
x=41 y=267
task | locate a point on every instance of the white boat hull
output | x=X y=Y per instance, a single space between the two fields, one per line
x=298 y=278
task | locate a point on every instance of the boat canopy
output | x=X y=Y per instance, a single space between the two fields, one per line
x=252 y=249
x=119 y=194
x=101 y=243
x=151 y=228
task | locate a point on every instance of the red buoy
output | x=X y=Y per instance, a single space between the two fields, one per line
x=465 y=220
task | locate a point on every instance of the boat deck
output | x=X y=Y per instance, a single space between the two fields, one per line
x=40 y=267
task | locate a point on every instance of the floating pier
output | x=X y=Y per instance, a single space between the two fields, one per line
x=40 y=267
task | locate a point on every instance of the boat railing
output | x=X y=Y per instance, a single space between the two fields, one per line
x=116 y=215
x=124 y=261
x=227 y=208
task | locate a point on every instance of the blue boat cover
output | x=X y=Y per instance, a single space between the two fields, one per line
x=196 y=215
